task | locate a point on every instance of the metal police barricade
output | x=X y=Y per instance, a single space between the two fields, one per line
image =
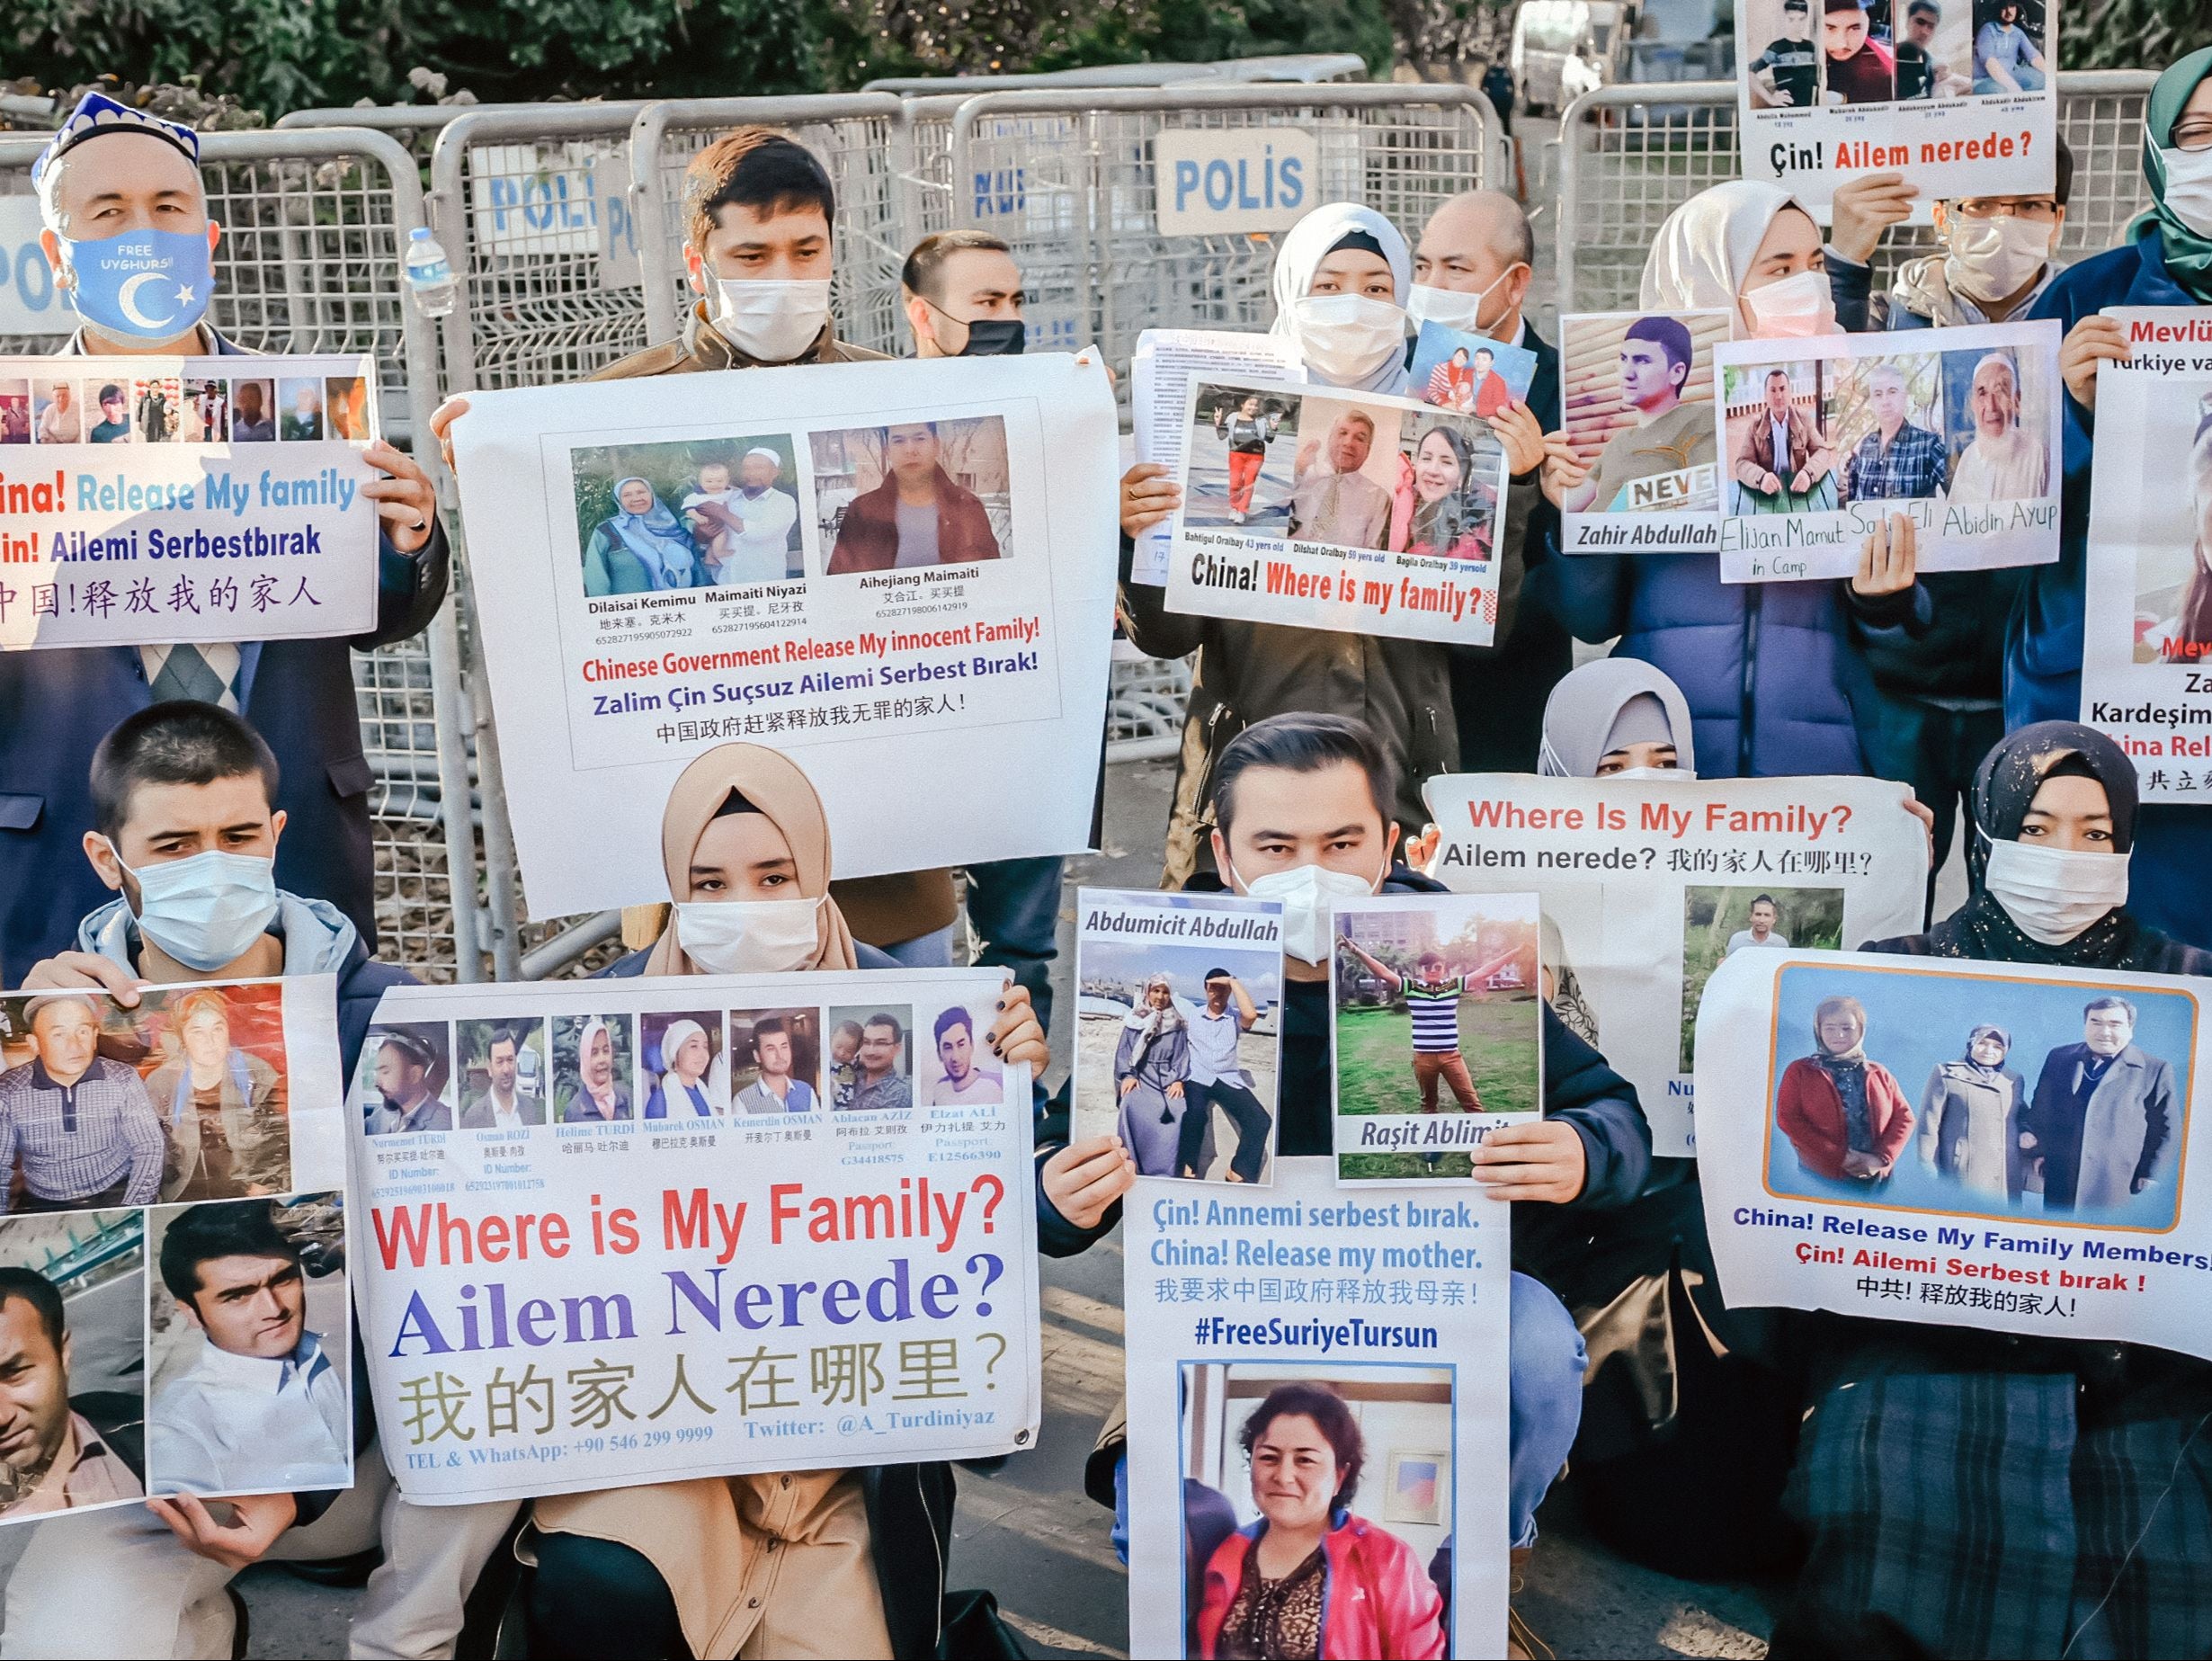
x=1304 y=67
x=1631 y=155
x=313 y=225
x=1068 y=177
x=853 y=134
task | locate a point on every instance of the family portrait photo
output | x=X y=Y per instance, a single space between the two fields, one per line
x=870 y=1058
x=691 y=514
x=913 y=492
x=1470 y=374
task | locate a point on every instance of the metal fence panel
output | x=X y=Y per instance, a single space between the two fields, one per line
x=313 y=223
x=1631 y=155
x=1068 y=178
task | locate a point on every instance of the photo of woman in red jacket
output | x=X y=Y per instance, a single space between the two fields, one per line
x=1307 y=1580
x=919 y=515
x=1845 y=1115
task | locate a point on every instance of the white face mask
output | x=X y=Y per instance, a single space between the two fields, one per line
x=771 y=321
x=1306 y=894
x=1673 y=776
x=2188 y=187
x=1347 y=337
x=1795 y=308
x=1451 y=307
x=207 y=910
x=2054 y=893
x=1992 y=258
x=749 y=937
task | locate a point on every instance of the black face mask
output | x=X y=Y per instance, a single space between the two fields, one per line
x=996 y=337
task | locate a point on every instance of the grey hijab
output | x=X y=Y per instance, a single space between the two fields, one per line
x=1580 y=715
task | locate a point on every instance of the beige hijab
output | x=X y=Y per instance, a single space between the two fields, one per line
x=775 y=785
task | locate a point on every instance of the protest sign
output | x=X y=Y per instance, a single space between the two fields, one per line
x=1159 y=401
x=1648 y=884
x=2023 y=1163
x=1470 y=373
x=1307 y=1300
x=2146 y=630
x=1821 y=440
x=1232 y=181
x=1636 y=391
x=663 y=565
x=567 y=1288
x=1178 y=1030
x=1960 y=99
x=1436 y=1031
x=1330 y=509
x=163 y=500
x=154 y=1161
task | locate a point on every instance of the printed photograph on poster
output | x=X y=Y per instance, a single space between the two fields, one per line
x=2148 y=627
x=187 y=1097
x=503 y=1073
x=1470 y=374
x=1997 y=1146
x=1650 y=884
x=73 y=1326
x=686 y=1071
x=404 y=1083
x=167 y=535
x=677 y=1257
x=776 y=1060
x=1637 y=402
x=593 y=1057
x=1178 y=1028
x=1338 y=510
x=1275 y=1450
x=1956 y=95
x=913 y=492
x=1821 y=443
x=1437 y=1035
x=958 y=1071
x=239 y=1281
x=717 y=513
x=941 y=538
x=1999 y=1098
x=871 y=1058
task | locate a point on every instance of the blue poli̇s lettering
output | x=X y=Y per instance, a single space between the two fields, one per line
x=1292 y=175
x=1220 y=186
x=1186 y=183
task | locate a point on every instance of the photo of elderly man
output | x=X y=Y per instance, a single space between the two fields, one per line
x=57 y=1452
x=262 y=1406
x=1333 y=500
x=1897 y=458
x=2103 y=1123
x=81 y=1126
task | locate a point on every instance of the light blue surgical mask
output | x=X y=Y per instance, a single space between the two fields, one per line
x=144 y=284
x=207 y=910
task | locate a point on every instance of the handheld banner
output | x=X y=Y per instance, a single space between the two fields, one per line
x=1636 y=391
x=2021 y=1165
x=1160 y=376
x=1961 y=100
x=567 y=1288
x=1252 y=1319
x=1647 y=885
x=1823 y=439
x=1329 y=509
x=1178 y=1029
x=174 y=1187
x=169 y=500
x=900 y=573
x=2147 y=632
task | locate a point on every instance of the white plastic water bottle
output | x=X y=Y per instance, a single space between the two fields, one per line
x=430 y=274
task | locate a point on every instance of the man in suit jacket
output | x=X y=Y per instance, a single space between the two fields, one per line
x=2102 y=1121
x=1783 y=451
x=1471 y=271
x=114 y=171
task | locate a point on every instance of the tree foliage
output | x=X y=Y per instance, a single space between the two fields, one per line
x=2130 y=34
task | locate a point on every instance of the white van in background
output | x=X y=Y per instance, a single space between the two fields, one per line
x=1563 y=49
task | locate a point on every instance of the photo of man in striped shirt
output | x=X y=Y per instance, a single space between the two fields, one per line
x=82 y=1126
x=1432 y=1000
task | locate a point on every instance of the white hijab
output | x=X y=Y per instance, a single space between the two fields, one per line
x=1580 y=713
x=1299 y=256
x=1699 y=259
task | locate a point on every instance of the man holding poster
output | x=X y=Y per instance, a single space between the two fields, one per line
x=113 y=180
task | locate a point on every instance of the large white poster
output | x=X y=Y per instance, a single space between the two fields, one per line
x=1647 y=887
x=620 y=1231
x=902 y=574
x=1960 y=98
x=164 y=500
x=1276 y=1338
x=2146 y=630
x=1998 y=1146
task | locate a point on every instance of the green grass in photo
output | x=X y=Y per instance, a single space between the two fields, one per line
x=1498 y=1037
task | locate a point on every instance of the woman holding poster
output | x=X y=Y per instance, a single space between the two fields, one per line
x=664 y=1568
x=2050 y=1491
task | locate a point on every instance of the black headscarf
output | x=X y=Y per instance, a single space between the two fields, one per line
x=2004 y=789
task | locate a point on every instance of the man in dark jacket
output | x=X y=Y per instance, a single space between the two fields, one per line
x=114 y=171
x=917 y=516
